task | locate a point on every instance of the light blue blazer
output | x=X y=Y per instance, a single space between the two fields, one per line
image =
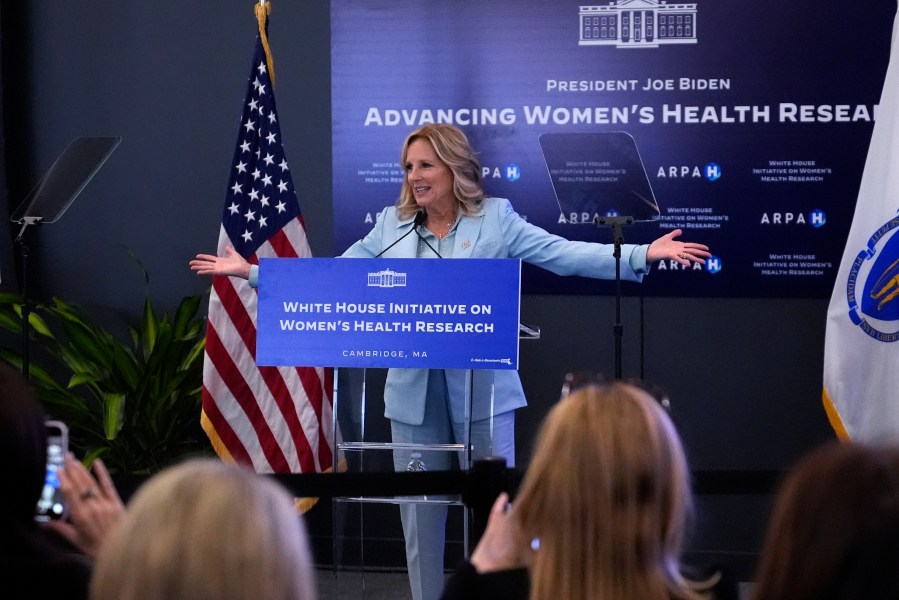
x=497 y=231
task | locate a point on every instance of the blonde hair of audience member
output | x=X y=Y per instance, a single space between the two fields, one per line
x=608 y=498
x=207 y=529
x=453 y=149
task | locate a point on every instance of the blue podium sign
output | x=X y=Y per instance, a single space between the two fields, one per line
x=412 y=313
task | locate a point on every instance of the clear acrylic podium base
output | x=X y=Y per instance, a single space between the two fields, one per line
x=367 y=532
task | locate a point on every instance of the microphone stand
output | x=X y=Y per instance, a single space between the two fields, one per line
x=618 y=240
x=420 y=218
x=26 y=303
x=422 y=238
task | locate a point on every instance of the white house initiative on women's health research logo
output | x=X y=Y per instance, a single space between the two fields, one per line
x=637 y=24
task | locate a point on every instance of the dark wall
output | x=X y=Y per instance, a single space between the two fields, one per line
x=169 y=77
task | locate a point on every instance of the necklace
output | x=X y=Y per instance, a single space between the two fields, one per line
x=441 y=230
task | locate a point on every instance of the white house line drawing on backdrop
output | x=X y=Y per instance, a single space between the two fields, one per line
x=638 y=24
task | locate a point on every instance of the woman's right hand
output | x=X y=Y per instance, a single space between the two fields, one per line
x=232 y=264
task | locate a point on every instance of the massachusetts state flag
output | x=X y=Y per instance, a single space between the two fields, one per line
x=277 y=419
x=861 y=351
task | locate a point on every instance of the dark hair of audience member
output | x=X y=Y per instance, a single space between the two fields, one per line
x=834 y=529
x=33 y=563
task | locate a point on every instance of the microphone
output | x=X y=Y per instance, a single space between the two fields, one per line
x=420 y=217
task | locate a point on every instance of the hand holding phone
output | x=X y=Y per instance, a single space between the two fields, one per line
x=93 y=504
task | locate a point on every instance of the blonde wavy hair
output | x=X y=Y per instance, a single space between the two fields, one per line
x=206 y=529
x=607 y=495
x=453 y=149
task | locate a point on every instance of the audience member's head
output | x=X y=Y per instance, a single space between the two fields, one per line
x=207 y=529
x=23 y=446
x=34 y=562
x=607 y=495
x=834 y=530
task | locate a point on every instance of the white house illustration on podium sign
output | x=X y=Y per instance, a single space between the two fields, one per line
x=638 y=24
x=387 y=278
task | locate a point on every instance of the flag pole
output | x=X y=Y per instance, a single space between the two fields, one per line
x=263 y=9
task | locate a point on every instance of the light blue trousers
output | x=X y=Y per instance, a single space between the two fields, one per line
x=424 y=525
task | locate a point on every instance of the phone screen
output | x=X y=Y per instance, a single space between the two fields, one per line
x=51 y=504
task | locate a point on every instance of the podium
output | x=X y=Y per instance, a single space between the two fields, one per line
x=367 y=536
x=365 y=316
x=361 y=434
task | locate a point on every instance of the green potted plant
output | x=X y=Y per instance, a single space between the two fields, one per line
x=137 y=404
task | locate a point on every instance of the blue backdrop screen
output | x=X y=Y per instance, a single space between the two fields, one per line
x=752 y=119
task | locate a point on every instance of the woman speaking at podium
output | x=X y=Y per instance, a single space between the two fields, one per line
x=443 y=212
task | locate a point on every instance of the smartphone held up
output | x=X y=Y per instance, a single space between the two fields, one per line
x=51 y=504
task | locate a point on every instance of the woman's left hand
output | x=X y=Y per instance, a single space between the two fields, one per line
x=94 y=505
x=503 y=545
x=685 y=253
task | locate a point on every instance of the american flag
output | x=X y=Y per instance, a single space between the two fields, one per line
x=276 y=419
